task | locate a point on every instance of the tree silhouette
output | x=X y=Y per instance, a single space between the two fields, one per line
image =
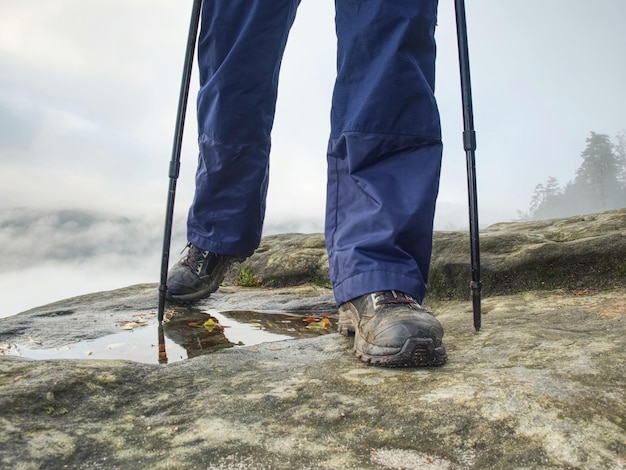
x=597 y=177
x=546 y=201
x=599 y=185
x=620 y=154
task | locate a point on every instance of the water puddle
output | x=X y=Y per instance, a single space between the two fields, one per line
x=187 y=333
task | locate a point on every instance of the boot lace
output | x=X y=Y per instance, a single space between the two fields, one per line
x=196 y=257
x=393 y=297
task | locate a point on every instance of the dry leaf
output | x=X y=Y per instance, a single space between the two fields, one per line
x=582 y=292
x=323 y=324
x=130 y=324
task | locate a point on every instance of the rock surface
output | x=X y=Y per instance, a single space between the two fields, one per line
x=583 y=252
x=542 y=386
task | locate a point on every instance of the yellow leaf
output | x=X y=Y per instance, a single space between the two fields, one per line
x=325 y=323
x=209 y=325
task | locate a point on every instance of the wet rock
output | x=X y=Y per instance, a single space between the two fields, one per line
x=542 y=386
x=93 y=316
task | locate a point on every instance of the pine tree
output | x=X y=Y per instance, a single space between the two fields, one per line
x=597 y=177
x=537 y=200
x=599 y=185
x=620 y=154
x=546 y=200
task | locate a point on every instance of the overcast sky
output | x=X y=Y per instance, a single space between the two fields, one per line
x=89 y=89
x=88 y=94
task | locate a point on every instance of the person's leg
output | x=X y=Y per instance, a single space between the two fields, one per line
x=239 y=54
x=240 y=50
x=384 y=160
x=384 y=154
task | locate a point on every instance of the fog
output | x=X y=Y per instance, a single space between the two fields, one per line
x=50 y=255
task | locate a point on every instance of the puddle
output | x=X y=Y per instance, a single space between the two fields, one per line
x=188 y=333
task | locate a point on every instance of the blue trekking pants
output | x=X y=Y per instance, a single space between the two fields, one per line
x=384 y=151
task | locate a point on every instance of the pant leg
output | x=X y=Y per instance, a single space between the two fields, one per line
x=384 y=152
x=240 y=50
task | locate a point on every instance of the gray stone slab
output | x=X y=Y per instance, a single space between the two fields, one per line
x=542 y=386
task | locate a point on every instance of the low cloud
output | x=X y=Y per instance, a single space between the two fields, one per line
x=31 y=237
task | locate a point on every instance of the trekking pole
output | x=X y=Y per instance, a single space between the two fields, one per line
x=469 y=144
x=174 y=168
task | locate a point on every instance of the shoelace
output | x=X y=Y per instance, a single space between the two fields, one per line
x=393 y=297
x=195 y=257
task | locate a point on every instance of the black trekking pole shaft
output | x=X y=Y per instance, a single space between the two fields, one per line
x=174 y=168
x=469 y=144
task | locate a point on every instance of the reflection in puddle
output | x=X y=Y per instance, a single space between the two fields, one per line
x=139 y=344
x=187 y=334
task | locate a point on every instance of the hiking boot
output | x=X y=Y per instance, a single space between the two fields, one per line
x=391 y=329
x=198 y=274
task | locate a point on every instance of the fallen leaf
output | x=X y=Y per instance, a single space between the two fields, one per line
x=211 y=325
x=309 y=319
x=19 y=377
x=36 y=341
x=581 y=292
x=168 y=313
x=130 y=324
x=165 y=312
x=323 y=324
x=280 y=348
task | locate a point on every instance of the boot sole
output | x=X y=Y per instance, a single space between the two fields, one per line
x=192 y=297
x=415 y=352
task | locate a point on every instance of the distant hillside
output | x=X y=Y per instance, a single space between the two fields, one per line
x=30 y=237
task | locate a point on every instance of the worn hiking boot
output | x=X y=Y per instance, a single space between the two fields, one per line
x=391 y=329
x=198 y=274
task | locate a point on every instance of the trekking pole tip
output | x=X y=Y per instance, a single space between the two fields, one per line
x=161 y=305
x=476 y=287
